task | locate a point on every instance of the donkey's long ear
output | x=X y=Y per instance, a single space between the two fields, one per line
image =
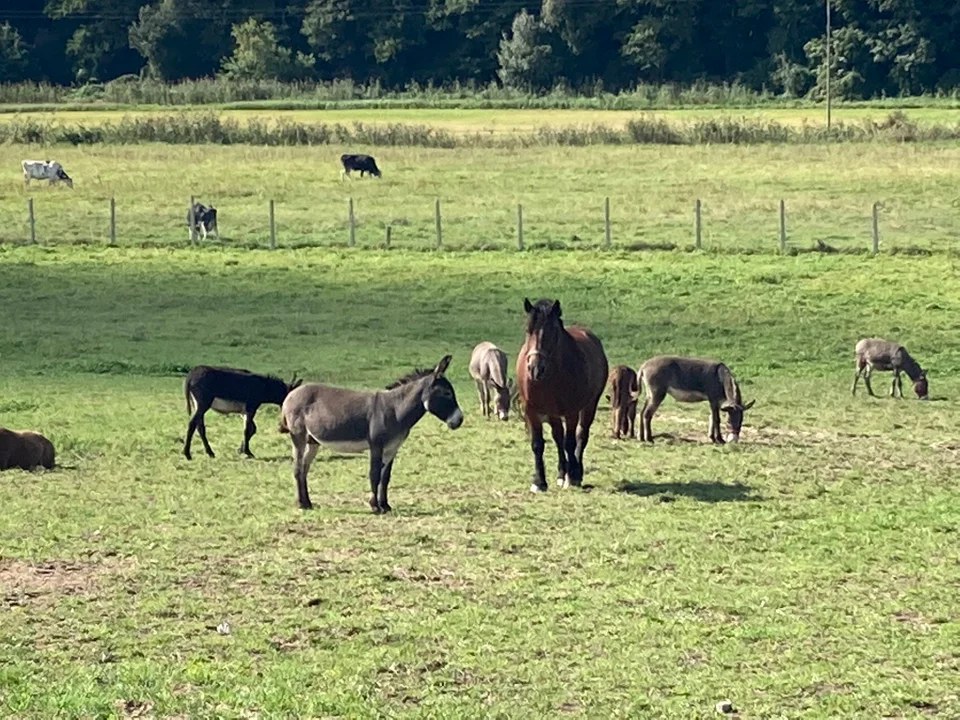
x=442 y=365
x=555 y=310
x=295 y=382
x=527 y=307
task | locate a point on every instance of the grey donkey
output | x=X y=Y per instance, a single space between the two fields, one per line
x=356 y=421
x=879 y=354
x=488 y=368
x=689 y=379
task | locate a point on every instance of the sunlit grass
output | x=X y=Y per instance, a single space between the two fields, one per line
x=810 y=571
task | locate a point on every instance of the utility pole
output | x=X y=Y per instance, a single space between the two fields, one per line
x=828 y=64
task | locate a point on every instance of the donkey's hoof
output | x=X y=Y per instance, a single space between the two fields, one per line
x=537 y=488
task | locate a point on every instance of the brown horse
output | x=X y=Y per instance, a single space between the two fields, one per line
x=561 y=373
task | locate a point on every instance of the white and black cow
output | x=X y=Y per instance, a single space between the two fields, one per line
x=205 y=220
x=49 y=170
x=363 y=163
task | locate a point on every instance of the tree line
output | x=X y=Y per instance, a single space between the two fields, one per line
x=880 y=47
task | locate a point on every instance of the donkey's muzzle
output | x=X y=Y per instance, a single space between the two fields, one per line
x=455 y=420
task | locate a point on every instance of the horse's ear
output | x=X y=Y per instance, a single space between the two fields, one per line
x=555 y=310
x=527 y=307
x=442 y=365
x=749 y=404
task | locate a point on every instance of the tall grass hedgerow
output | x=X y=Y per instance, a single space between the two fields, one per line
x=210 y=128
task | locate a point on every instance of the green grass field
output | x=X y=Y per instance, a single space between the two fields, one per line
x=829 y=191
x=811 y=571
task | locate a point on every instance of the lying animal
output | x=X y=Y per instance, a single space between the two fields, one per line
x=25 y=450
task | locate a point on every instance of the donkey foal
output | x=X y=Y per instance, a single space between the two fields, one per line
x=623 y=401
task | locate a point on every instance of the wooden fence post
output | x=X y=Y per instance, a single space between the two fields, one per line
x=193 y=223
x=519 y=226
x=606 y=222
x=113 y=221
x=697 y=242
x=273 y=228
x=352 y=233
x=436 y=213
x=876 y=228
x=783 y=227
x=31 y=221
x=386 y=236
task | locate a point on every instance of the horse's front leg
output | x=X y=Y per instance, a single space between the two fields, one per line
x=574 y=474
x=536 y=444
x=556 y=429
x=376 y=470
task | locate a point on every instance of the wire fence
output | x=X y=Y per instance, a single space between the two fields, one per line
x=425 y=223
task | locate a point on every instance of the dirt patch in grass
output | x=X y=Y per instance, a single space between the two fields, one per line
x=21 y=581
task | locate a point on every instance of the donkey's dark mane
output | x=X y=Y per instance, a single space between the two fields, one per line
x=538 y=316
x=414 y=374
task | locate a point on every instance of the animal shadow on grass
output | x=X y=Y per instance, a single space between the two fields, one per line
x=704 y=491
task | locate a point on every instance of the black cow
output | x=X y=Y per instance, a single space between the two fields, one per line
x=205 y=220
x=230 y=390
x=363 y=163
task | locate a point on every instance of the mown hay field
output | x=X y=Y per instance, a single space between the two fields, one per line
x=496 y=121
x=811 y=571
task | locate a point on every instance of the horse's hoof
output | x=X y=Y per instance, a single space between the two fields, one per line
x=569 y=482
x=385 y=508
x=306 y=505
x=535 y=488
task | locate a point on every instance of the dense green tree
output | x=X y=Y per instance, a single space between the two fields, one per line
x=526 y=62
x=257 y=55
x=13 y=54
x=881 y=46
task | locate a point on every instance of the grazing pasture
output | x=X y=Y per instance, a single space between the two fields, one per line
x=829 y=191
x=812 y=570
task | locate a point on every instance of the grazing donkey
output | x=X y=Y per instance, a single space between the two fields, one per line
x=878 y=354
x=488 y=366
x=230 y=390
x=692 y=380
x=25 y=450
x=352 y=421
x=624 y=389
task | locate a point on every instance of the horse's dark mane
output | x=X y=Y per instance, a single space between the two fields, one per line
x=414 y=374
x=538 y=315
